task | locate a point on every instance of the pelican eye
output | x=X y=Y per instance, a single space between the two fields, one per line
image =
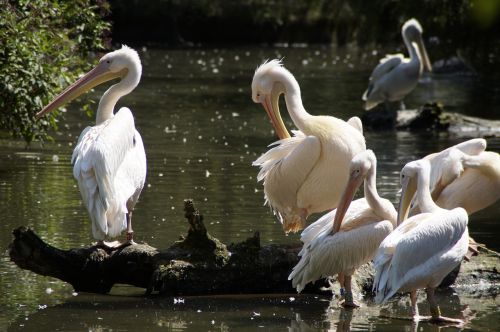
x=107 y=61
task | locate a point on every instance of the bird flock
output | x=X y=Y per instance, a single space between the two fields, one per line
x=318 y=169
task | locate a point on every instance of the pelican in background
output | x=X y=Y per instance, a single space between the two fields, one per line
x=347 y=243
x=109 y=159
x=423 y=249
x=396 y=76
x=306 y=173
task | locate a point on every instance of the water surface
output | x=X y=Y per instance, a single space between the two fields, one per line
x=202 y=131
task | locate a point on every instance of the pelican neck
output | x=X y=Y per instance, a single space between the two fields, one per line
x=370 y=187
x=105 y=110
x=423 y=192
x=413 y=52
x=293 y=98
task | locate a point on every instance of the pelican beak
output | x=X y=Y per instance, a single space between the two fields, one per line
x=425 y=58
x=409 y=187
x=271 y=105
x=345 y=201
x=93 y=78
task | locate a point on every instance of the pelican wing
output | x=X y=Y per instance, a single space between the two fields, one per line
x=473 y=146
x=356 y=123
x=420 y=252
x=97 y=157
x=477 y=188
x=342 y=252
x=281 y=149
x=324 y=225
x=385 y=66
x=284 y=168
x=446 y=166
x=441 y=162
x=388 y=63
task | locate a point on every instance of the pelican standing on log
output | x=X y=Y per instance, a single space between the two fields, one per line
x=109 y=159
x=423 y=249
x=341 y=246
x=396 y=76
x=306 y=173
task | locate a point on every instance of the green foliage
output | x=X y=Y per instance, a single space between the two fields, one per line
x=43 y=47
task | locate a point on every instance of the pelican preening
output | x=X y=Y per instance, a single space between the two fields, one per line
x=306 y=173
x=464 y=175
x=338 y=245
x=423 y=249
x=109 y=158
x=396 y=76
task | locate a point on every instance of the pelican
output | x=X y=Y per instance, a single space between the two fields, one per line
x=396 y=76
x=109 y=159
x=347 y=243
x=423 y=249
x=306 y=173
x=464 y=175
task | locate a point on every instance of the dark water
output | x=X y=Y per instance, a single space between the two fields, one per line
x=202 y=131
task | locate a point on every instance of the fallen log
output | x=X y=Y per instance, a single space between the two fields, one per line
x=430 y=117
x=199 y=264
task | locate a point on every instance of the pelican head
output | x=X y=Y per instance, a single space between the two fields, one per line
x=123 y=64
x=409 y=179
x=267 y=87
x=412 y=32
x=361 y=164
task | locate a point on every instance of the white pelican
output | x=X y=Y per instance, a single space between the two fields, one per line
x=396 y=76
x=308 y=172
x=109 y=158
x=464 y=175
x=423 y=249
x=341 y=246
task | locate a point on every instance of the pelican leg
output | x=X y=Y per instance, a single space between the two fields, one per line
x=402 y=105
x=130 y=232
x=473 y=249
x=414 y=307
x=341 y=279
x=436 y=312
x=348 y=301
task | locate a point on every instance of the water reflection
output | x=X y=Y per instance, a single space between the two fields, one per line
x=201 y=132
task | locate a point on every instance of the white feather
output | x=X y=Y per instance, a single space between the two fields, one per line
x=102 y=157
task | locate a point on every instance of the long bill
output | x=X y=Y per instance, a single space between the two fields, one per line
x=93 y=78
x=408 y=190
x=345 y=202
x=424 y=56
x=271 y=105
